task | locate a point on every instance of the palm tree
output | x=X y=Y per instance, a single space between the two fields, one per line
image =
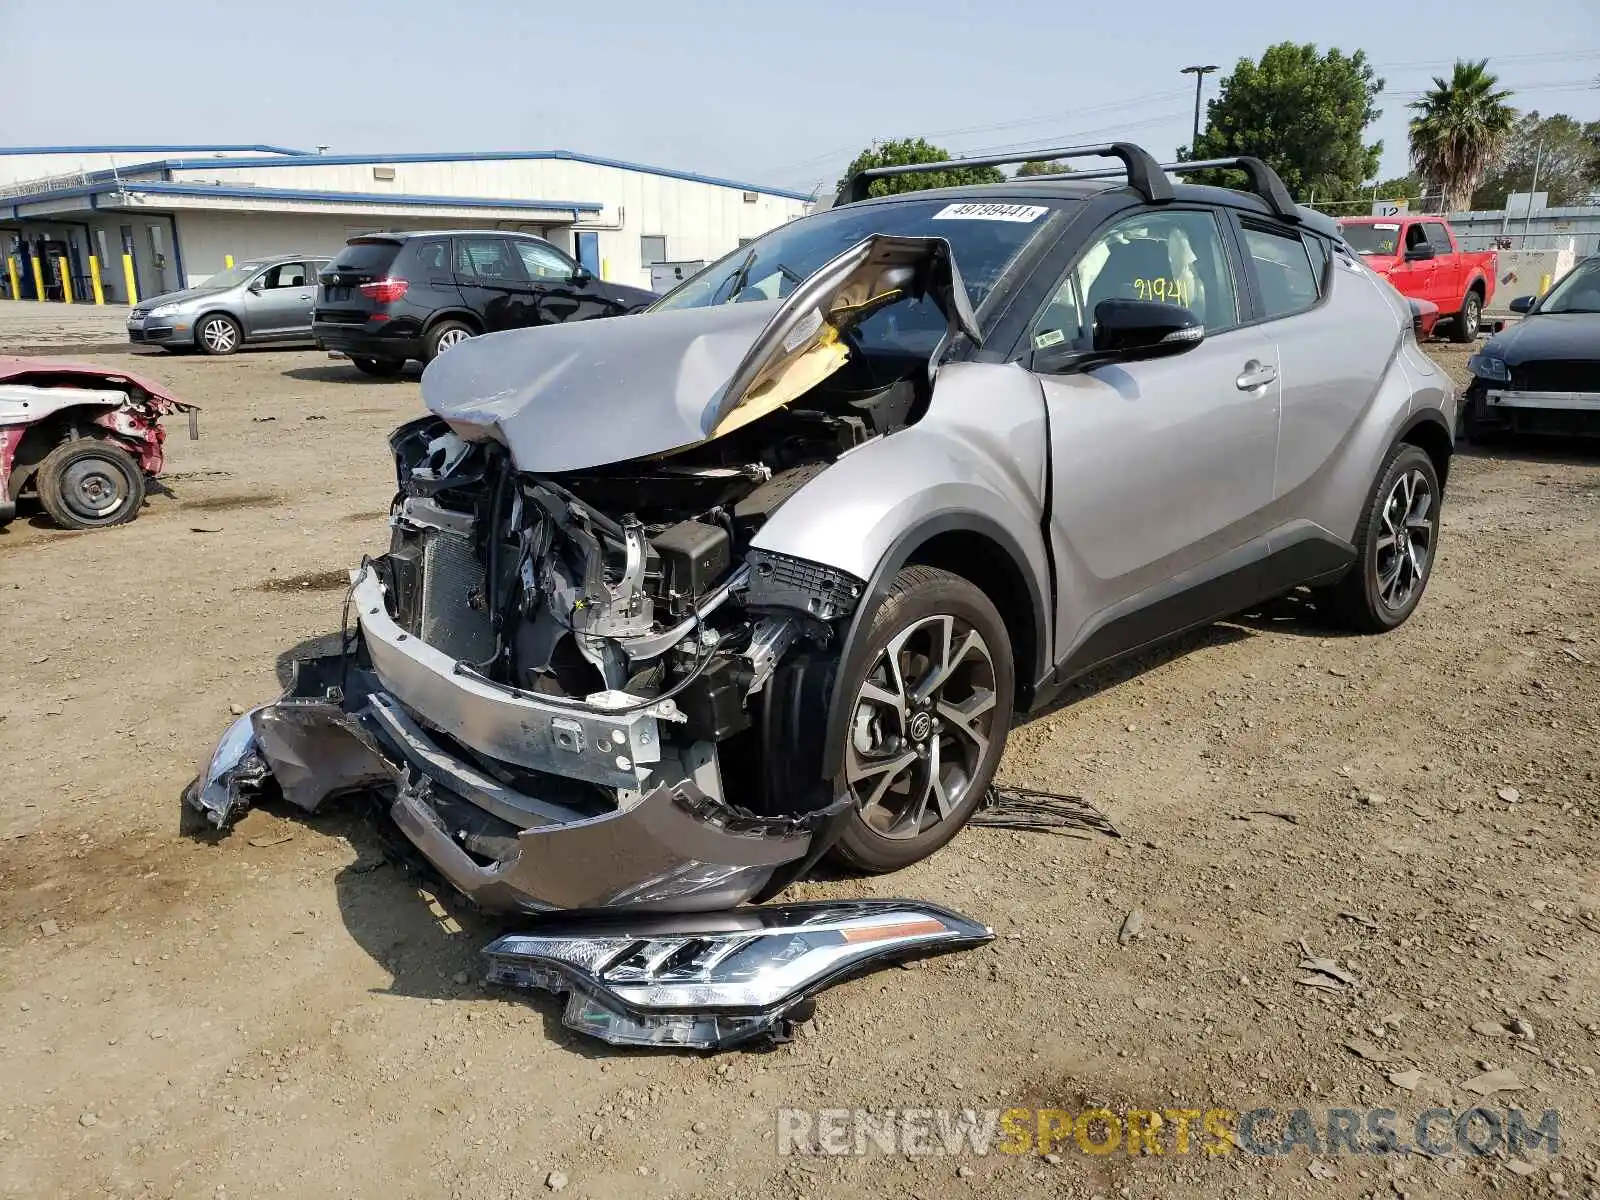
x=1458 y=130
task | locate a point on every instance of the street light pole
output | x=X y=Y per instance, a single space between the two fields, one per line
x=1199 y=74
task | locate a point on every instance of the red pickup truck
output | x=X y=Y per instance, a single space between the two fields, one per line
x=1422 y=259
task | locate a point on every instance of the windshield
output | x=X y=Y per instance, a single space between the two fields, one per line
x=1579 y=292
x=1380 y=237
x=985 y=239
x=233 y=276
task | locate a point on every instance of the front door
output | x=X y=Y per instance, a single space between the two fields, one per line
x=1413 y=276
x=1161 y=470
x=278 y=304
x=558 y=291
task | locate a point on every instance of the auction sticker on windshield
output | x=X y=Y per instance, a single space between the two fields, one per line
x=1023 y=214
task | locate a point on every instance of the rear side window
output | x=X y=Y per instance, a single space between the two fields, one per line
x=1283 y=271
x=366 y=256
x=428 y=257
x=485 y=258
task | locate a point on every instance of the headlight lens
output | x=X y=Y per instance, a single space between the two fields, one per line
x=164 y=310
x=1486 y=366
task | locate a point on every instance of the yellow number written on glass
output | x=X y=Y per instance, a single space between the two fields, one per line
x=1168 y=291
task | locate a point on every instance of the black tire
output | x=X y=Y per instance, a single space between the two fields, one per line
x=877 y=838
x=1465 y=326
x=217 y=333
x=1361 y=601
x=445 y=334
x=90 y=484
x=382 y=368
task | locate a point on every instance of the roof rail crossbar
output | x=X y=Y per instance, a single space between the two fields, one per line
x=1264 y=181
x=1144 y=174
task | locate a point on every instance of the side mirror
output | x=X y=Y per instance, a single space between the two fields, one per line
x=1523 y=304
x=1131 y=329
x=258 y=284
x=581 y=274
x=1420 y=253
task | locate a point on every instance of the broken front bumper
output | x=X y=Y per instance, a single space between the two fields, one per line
x=385 y=729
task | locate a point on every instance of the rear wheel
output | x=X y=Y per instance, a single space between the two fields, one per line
x=1395 y=548
x=383 y=368
x=446 y=335
x=1465 y=327
x=217 y=333
x=89 y=484
x=928 y=722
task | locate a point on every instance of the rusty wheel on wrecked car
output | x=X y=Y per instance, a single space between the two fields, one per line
x=89 y=484
x=928 y=722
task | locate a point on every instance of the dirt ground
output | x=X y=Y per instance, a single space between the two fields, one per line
x=284 y=1011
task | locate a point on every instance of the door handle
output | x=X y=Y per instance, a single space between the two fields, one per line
x=1256 y=375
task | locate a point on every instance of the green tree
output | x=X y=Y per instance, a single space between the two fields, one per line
x=915 y=150
x=1302 y=111
x=1043 y=166
x=1460 y=125
x=1565 y=152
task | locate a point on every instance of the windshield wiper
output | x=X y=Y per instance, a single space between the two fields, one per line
x=742 y=276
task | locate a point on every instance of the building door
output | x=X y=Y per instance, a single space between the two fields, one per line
x=158 y=260
x=588 y=247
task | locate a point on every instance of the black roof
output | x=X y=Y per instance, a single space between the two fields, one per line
x=401 y=235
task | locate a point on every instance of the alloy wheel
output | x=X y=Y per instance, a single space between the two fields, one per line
x=920 y=727
x=1405 y=541
x=219 y=335
x=450 y=338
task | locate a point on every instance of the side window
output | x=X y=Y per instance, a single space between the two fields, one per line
x=1175 y=257
x=1440 y=237
x=286 y=275
x=485 y=258
x=1416 y=236
x=1282 y=268
x=543 y=262
x=1318 y=249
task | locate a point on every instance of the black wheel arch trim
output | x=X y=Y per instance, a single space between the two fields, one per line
x=462 y=316
x=1433 y=419
x=901 y=552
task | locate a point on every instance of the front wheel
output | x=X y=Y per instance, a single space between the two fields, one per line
x=89 y=484
x=1465 y=327
x=928 y=720
x=1395 y=547
x=218 y=333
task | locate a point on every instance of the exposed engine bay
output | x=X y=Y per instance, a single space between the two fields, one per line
x=588 y=688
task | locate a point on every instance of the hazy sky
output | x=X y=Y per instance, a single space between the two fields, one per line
x=781 y=94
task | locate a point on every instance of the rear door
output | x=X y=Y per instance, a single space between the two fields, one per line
x=1448 y=285
x=492 y=282
x=278 y=303
x=1162 y=467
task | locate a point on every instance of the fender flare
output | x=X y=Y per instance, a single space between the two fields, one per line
x=1439 y=442
x=900 y=551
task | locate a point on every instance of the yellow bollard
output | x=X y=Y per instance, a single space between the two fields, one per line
x=38 y=279
x=66 y=280
x=94 y=280
x=127 y=275
x=227 y=262
x=605 y=268
x=16 y=283
x=1544 y=284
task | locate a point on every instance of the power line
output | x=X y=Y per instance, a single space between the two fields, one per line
x=1515 y=89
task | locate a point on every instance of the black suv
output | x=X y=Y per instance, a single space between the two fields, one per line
x=389 y=297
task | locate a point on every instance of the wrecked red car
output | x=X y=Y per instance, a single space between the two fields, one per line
x=82 y=438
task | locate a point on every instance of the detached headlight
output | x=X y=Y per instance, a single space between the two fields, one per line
x=1486 y=366
x=164 y=310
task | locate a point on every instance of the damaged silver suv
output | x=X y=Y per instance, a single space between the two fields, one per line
x=677 y=603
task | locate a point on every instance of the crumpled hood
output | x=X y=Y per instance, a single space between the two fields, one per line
x=1549 y=336
x=586 y=394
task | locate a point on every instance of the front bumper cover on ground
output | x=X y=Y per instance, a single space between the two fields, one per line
x=718 y=980
x=672 y=849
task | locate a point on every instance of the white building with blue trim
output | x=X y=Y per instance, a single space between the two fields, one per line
x=182 y=211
